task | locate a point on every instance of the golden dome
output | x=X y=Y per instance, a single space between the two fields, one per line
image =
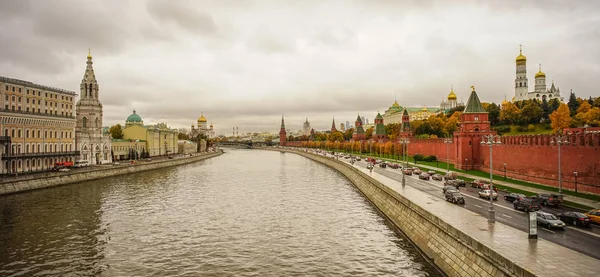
x=520 y=57
x=395 y=105
x=424 y=109
x=504 y=102
x=452 y=96
x=540 y=73
x=202 y=118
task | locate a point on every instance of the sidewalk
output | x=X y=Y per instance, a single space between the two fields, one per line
x=574 y=199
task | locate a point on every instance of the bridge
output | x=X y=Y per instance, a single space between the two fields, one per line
x=240 y=144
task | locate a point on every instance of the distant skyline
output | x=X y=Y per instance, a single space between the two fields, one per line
x=245 y=63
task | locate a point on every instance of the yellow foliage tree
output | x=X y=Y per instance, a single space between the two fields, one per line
x=561 y=118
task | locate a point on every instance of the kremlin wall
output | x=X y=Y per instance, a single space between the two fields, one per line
x=529 y=157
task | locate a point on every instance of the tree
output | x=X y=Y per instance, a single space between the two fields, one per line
x=546 y=110
x=369 y=133
x=348 y=134
x=573 y=104
x=510 y=114
x=336 y=137
x=597 y=102
x=561 y=118
x=531 y=113
x=493 y=113
x=456 y=109
x=116 y=131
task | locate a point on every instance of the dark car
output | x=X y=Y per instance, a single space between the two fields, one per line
x=513 y=196
x=575 y=218
x=424 y=176
x=527 y=204
x=437 y=177
x=446 y=189
x=450 y=176
x=383 y=165
x=455 y=197
x=550 y=199
x=456 y=183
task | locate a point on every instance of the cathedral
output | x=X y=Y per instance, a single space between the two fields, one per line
x=202 y=128
x=540 y=91
x=91 y=141
x=452 y=101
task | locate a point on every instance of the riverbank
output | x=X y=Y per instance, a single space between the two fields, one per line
x=52 y=179
x=456 y=240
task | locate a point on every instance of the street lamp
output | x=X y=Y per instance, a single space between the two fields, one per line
x=575 y=173
x=491 y=140
x=165 y=148
x=404 y=141
x=447 y=141
x=559 y=140
x=504 y=171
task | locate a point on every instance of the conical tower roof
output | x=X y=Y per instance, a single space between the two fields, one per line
x=473 y=104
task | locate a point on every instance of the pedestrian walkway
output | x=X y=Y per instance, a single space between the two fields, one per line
x=541 y=257
x=574 y=199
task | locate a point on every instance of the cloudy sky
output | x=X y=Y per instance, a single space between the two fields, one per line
x=245 y=63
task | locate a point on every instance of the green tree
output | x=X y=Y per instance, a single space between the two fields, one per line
x=348 y=134
x=531 y=113
x=456 y=109
x=116 y=131
x=336 y=136
x=546 y=110
x=597 y=102
x=493 y=114
x=369 y=133
x=573 y=104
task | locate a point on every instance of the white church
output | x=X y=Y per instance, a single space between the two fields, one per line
x=540 y=91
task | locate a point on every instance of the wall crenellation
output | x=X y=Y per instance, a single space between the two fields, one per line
x=586 y=140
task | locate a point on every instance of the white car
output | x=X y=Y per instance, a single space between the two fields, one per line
x=486 y=194
x=64 y=169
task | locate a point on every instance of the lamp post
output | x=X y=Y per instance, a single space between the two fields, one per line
x=559 y=140
x=165 y=148
x=447 y=141
x=490 y=141
x=504 y=171
x=575 y=173
x=404 y=141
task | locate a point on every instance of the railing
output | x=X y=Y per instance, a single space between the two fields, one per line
x=39 y=155
x=4 y=139
x=2 y=109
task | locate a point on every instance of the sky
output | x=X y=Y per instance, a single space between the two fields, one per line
x=247 y=63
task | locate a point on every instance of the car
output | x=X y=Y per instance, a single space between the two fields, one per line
x=549 y=220
x=63 y=169
x=550 y=199
x=445 y=189
x=575 y=218
x=394 y=165
x=358 y=159
x=437 y=177
x=417 y=171
x=455 y=197
x=369 y=166
x=383 y=165
x=455 y=183
x=408 y=171
x=116 y=163
x=594 y=215
x=479 y=183
x=79 y=164
x=450 y=176
x=424 y=176
x=486 y=193
x=378 y=161
x=527 y=204
x=514 y=196
x=431 y=172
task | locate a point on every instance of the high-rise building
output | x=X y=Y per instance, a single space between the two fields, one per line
x=306 y=128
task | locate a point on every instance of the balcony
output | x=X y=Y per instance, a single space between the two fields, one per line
x=2 y=109
x=39 y=155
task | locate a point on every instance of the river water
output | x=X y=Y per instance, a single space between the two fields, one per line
x=244 y=213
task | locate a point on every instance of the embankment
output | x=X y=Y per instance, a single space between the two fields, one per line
x=450 y=249
x=62 y=178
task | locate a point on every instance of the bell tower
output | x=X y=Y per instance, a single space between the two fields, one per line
x=521 y=87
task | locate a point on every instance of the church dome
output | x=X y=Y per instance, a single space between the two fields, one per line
x=396 y=105
x=504 y=102
x=520 y=57
x=134 y=117
x=540 y=74
x=424 y=109
x=202 y=118
x=452 y=96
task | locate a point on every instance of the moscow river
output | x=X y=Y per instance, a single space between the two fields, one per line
x=244 y=213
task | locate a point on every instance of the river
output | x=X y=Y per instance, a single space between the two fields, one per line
x=244 y=213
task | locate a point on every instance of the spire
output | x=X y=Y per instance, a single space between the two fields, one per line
x=89 y=53
x=89 y=85
x=473 y=104
x=282 y=123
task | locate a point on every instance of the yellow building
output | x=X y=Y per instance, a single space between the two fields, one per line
x=38 y=126
x=156 y=140
x=394 y=113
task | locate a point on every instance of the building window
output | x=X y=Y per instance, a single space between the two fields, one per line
x=19 y=134
x=84 y=122
x=39 y=133
x=19 y=89
x=13 y=98
x=6 y=97
x=13 y=133
x=26 y=133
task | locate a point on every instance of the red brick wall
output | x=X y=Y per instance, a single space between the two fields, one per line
x=435 y=147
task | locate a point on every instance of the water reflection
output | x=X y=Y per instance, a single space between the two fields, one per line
x=245 y=213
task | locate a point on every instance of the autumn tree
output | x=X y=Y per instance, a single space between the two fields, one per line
x=369 y=133
x=510 y=113
x=336 y=137
x=116 y=131
x=348 y=134
x=531 y=113
x=561 y=118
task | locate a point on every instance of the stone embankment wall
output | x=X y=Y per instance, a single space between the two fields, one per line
x=75 y=176
x=450 y=249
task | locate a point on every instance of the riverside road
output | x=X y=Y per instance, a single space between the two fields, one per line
x=584 y=240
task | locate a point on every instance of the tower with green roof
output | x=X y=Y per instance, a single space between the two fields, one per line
x=380 y=133
x=359 y=131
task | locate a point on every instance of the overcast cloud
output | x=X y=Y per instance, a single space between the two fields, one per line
x=245 y=63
